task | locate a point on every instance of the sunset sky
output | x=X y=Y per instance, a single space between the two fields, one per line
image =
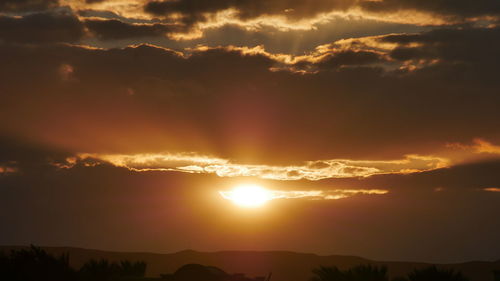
x=367 y=127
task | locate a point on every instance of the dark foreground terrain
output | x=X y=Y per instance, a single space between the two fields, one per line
x=285 y=266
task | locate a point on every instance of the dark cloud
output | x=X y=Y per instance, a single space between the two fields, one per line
x=347 y=58
x=476 y=45
x=110 y=15
x=46 y=27
x=26 y=5
x=460 y=8
x=300 y=41
x=474 y=177
x=229 y=103
x=295 y=42
x=115 y=29
x=195 y=10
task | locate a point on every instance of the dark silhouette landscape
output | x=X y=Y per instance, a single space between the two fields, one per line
x=85 y=264
x=249 y=140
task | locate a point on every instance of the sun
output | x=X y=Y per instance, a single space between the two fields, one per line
x=248 y=195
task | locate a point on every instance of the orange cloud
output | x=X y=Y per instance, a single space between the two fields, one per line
x=479 y=149
x=483 y=146
x=315 y=194
x=310 y=170
x=281 y=14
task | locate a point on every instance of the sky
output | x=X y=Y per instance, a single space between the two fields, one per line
x=373 y=126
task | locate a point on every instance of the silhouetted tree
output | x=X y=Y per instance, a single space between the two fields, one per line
x=103 y=270
x=496 y=275
x=328 y=273
x=35 y=264
x=367 y=273
x=132 y=269
x=432 y=273
x=98 y=270
x=4 y=264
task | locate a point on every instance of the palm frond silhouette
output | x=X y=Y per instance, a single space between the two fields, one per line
x=433 y=273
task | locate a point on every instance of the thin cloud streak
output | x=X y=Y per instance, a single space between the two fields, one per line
x=314 y=194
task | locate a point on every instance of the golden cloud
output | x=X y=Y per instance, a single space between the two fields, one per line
x=479 y=149
x=278 y=15
x=483 y=146
x=314 y=194
x=310 y=170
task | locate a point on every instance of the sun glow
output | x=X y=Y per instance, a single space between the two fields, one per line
x=248 y=195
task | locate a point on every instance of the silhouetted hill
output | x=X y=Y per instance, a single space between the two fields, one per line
x=285 y=266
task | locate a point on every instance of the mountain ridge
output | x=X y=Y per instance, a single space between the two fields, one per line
x=285 y=265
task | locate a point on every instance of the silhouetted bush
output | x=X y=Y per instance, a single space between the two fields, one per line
x=357 y=273
x=98 y=270
x=432 y=273
x=132 y=269
x=34 y=264
x=324 y=273
x=368 y=273
x=496 y=275
x=103 y=270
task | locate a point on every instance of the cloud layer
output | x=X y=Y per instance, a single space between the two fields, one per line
x=256 y=106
